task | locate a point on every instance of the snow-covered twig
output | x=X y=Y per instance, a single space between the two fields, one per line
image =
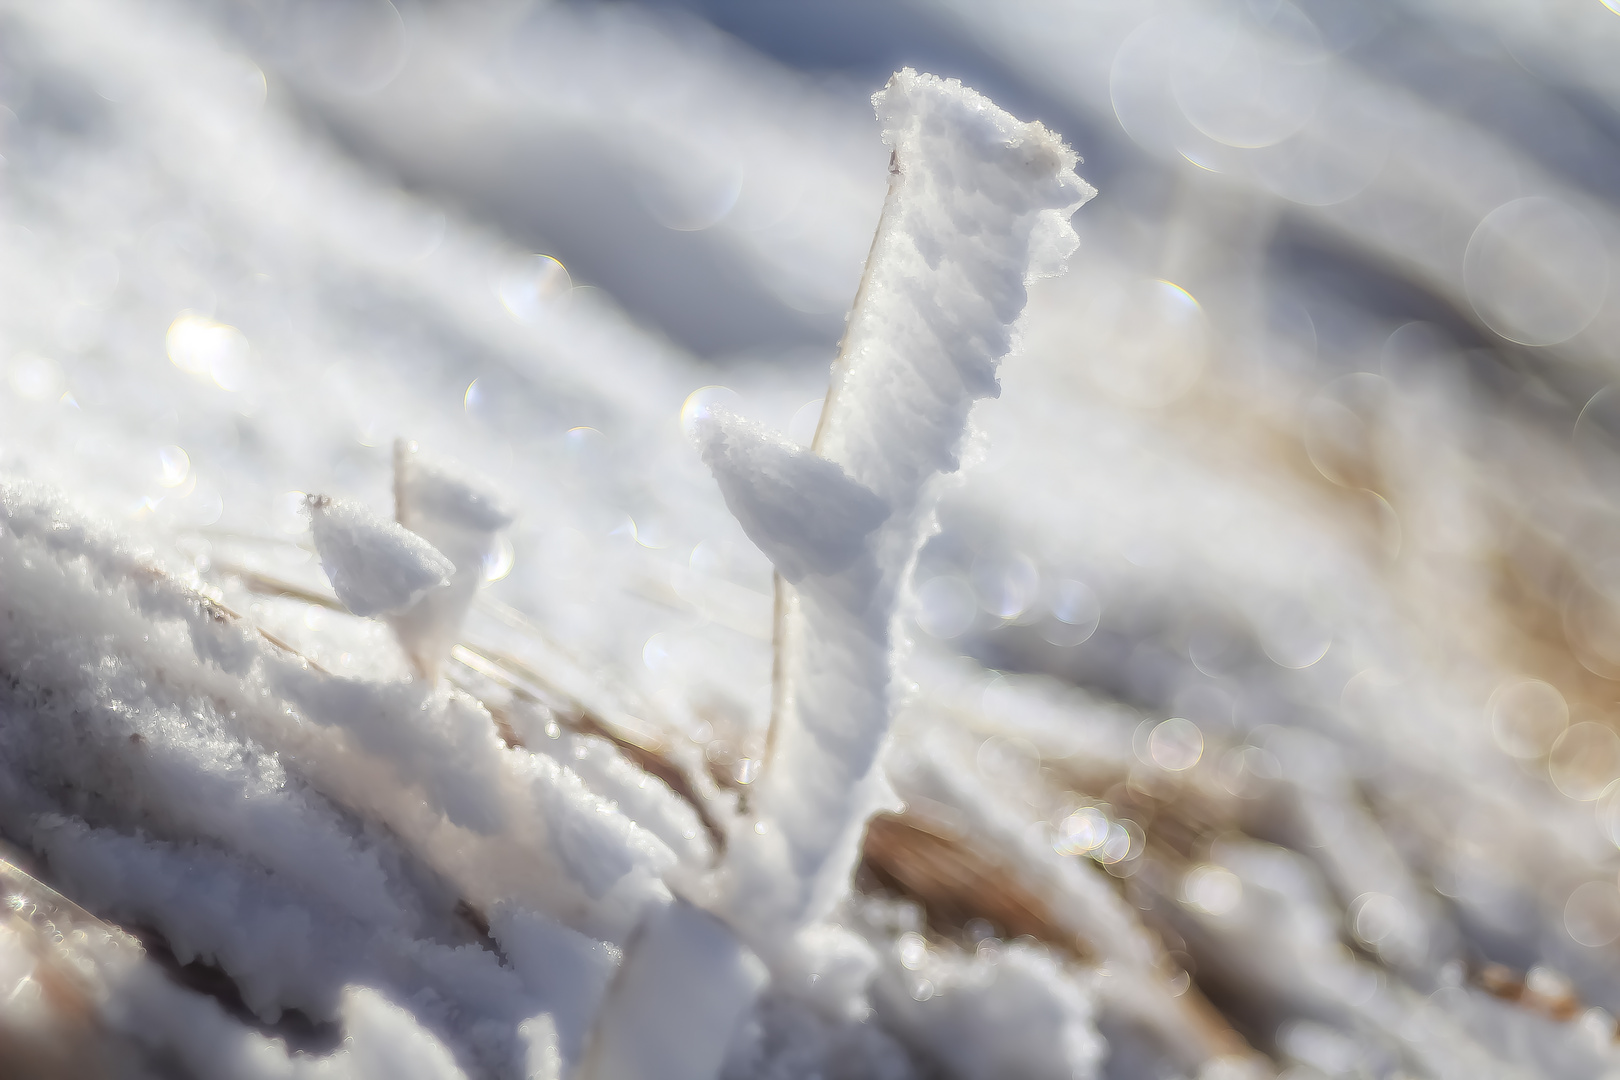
x=462 y=519
x=978 y=204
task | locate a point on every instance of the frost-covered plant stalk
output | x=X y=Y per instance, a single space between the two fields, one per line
x=421 y=573
x=463 y=520
x=978 y=202
x=978 y=205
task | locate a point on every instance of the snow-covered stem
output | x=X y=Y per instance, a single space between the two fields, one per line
x=978 y=204
x=460 y=517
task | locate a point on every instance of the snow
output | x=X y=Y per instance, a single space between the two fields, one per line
x=686 y=983
x=246 y=853
x=1017 y=1016
x=375 y=566
x=801 y=510
x=463 y=520
x=603 y=811
x=978 y=205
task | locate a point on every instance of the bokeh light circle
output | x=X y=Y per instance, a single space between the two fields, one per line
x=1247 y=82
x=1527 y=717
x=1592 y=914
x=1213 y=890
x=1584 y=760
x=1535 y=271
x=1176 y=744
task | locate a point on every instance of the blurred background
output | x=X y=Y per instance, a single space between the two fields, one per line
x=1289 y=552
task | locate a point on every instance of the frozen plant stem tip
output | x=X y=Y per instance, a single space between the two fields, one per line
x=460 y=517
x=978 y=205
x=375 y=566
x=421 y=571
